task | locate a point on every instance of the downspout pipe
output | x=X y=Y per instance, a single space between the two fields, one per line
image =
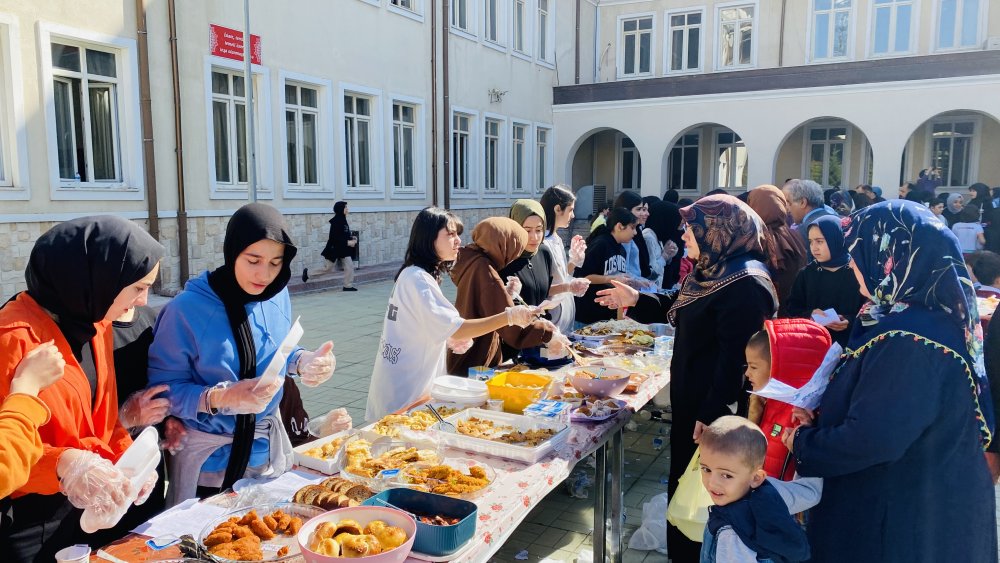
x=434 y=107
x=446 y=100
x=182 y=218
x=781 y=35
x=146 y=115
x=576 y=46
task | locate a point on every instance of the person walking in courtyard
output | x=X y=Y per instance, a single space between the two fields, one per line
x=340 y=246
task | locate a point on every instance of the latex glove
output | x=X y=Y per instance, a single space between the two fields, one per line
x=174 y=435
x=459 y=346
x=669 y=251
x=90 y=481
x=545 y=325
x=316 y=367
x=147 y=488
x=579 y=286
x=558 y=345
x=577 y=250
x=38 y=369
x=337 y=420
x=142 y=408
x=242 y=397
x=521 y=316
x=618 y=296
x=513 y=287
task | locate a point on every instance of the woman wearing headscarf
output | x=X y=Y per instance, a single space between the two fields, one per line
x=496 y=242
x=82 y=274
x=903 y=423
x=719 y=307
x=786 y=254
x=212 y=343
x=842 y=201
x=952 y=208
x=827 y=282
x=981 y=196
x=339 y=246
x=665 y=221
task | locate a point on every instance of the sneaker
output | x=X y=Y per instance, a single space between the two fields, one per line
x=350 y=289
x=305 y=275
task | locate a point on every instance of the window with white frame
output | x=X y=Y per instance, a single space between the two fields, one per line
x=892 y=27
x=827 y=150
x=636 y=46
x=544 y=43
x=542 y=157
x=460 y=157
x=682 y=167
x=731 y=161
x=358 y=131
x=519 y=26
x=951 y=145
x=491 y=155
x=518 y=154
x=959 y=23
x=492 y=16
x=831 y=29
x=85 y=95
x=684 y=41
x=229 y=126
x=460 y=16
x=403 y=138
x=301 y=133
x=736 y=31
x=631 y=166
x=405 y=4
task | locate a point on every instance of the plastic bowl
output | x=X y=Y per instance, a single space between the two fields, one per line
x=433 y=540
x=518 y=389
x=302 y=511
x=404 y=478
x=363 y=515
x=611 y=381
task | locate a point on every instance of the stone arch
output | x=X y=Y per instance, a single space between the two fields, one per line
x=714 y=150
x=831 y=150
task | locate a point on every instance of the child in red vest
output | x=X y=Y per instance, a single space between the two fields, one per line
x=789 y=350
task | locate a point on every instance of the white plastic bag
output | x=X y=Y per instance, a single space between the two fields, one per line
x=652 y=534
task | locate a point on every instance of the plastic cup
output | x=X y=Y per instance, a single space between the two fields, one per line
x=481 y=373
x=79 y=553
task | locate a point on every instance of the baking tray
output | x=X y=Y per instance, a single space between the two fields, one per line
x=502 y=450
x=330 y=465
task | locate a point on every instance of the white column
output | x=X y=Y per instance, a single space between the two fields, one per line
x=887 y=153
x=761 y=152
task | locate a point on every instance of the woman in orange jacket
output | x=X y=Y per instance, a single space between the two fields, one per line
x=82 y=274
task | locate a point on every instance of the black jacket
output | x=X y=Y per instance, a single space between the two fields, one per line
x=336 y=244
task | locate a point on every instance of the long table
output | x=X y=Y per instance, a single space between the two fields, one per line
x=519 y=488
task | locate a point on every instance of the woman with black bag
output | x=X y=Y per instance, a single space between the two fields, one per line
x=340 y=246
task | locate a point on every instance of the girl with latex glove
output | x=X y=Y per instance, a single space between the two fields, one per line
x=558 y=345
x=577 y=252
x=669 y=251
x=316 y=367
x=246 y=396
x=91 y=482
x=142 y=408
x=513 y=287
x=522 y=315
x=459 y=346
x=578 y=286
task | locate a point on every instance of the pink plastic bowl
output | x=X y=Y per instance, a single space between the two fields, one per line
x=613 y=381
x=362 y=515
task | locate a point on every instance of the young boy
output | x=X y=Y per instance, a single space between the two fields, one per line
x=752 y=517
x=789 y=350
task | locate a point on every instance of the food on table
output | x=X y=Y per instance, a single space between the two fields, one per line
x=360 y=460
x=635 y=337
x=240 y=539
x=513 y=386
x=606 y=328
x=446 y=480
x=325 y=451
x=391 y=425
x=596 y=373
x=635 y=380
x=599 y=408
x=347 y=538
x=334 y=492
x=987 y=306
x=489 y=430
x=438 y=520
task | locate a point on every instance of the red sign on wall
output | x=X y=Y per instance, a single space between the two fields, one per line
x=228 y=43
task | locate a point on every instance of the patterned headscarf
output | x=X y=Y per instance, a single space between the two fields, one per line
x=906 y=256
x=730 y=243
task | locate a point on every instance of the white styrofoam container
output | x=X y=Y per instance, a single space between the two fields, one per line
x=328 y=466
x=499 y=449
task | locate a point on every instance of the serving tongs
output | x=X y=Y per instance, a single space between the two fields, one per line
x=442 y=423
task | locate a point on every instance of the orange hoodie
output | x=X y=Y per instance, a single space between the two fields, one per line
x=76 y=422
x=20 y=444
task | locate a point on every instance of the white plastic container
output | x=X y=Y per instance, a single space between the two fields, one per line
x=79 y=553
x=138 y=461
x=500 y=449
x=328 y=466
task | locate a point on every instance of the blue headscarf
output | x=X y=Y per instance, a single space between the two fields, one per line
x=829 y=225
x=906 y=256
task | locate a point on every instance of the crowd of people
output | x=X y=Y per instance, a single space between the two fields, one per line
x=890 y=466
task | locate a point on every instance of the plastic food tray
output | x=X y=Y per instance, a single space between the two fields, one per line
x=328 y=466
x=500 y=449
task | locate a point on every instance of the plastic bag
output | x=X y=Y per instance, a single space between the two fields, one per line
x=688 y=510
x=652 y=534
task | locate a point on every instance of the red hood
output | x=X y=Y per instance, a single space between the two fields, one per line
x=797 y=349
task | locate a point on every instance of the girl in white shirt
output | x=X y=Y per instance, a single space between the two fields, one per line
x=420 y=321
x=558 y=202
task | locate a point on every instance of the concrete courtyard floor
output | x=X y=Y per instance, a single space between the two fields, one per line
x=560 y=527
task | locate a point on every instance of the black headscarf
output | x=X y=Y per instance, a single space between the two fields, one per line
x=78 y=268
x=251 y=223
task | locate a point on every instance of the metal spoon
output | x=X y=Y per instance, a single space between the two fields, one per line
x=442 y=423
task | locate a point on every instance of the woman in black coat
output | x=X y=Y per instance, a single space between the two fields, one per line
x=340 y=245
x=720 y=305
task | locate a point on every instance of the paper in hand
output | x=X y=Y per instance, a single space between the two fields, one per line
x=809 y=395
x=276 y=367
x=828 y=316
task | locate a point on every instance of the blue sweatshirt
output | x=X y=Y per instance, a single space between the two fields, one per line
x=194 y=349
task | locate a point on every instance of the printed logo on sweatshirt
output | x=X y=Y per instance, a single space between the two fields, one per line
x=389 y=353
x=614 y=265
x=393 y=310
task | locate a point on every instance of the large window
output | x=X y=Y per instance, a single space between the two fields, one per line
x=892 y=27
x=545 y=40
x=736 y=37
x=85 y=95
x=229 y=127
x=519 y=26
x=959 y=23
x=636 y=46
x=301 y=124
x=827 y=153
x=358 y=141
x=831 y=29
x=491 y=155
x=542 y=158
x=460 y=157
x=631 y=167
x=518 y=154
x=951 y=150
x=684 y=161
x=684 y=41
x=403 y=139
x=731 y=161
x=460 y=16
x=493 y=14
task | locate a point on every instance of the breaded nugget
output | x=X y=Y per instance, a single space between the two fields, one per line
x=283 y=521
x=261 y=530
x=293 y=526
x=242 y=532
x=248 y=517
x=271 y=523
x=216 y=538
x=283 y=551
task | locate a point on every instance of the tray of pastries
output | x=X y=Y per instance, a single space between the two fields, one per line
x=333 y=492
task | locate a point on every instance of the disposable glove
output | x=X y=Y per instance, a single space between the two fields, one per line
x=521 y=315
x=147 y=488
x=174 y=435
x=316 y=367
x=577 y=250
x=669 y=251
x=578 y=286
x=513 y=287
x=142 y=408
x=558 y=345
x=459 y=346
x=243 y=397
x=91 y=482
